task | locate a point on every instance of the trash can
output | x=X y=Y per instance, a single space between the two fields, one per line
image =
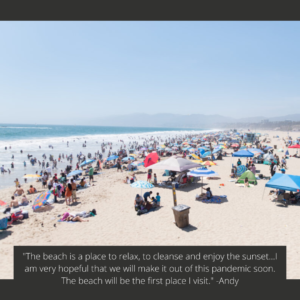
x=275 y=146
x=181 y=214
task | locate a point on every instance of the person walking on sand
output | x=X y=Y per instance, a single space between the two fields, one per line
x=91 y=174
x=149 y=175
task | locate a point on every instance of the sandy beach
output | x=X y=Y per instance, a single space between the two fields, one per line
x=248 y=217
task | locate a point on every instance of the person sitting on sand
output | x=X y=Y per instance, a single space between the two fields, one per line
x=13 y=202
x=239 y=162
x=82 y=182
x=246 y=182
x=19 y=191
x=31 y=190
x=138 y=201
x=208 y=193
x=127 y=180
x=24 y=200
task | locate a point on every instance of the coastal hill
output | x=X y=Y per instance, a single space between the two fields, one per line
x=183 y=121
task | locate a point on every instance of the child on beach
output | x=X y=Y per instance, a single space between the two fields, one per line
x=157 y=199
x=155 y=179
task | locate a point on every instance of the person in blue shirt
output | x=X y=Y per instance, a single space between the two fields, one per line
x=239 y=162
x=146 y=195
x=157 y=199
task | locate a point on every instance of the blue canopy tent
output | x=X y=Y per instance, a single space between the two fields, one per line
x=284 y=182
x=243 y=153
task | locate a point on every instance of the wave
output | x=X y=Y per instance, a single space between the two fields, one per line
x=5 y=127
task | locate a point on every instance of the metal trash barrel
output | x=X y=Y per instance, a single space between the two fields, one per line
x=181 y=214
x=275 y=146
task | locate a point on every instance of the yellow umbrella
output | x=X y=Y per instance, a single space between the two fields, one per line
x=163 y=146
x=32 y=176
x=195 y=156
x=134 y=155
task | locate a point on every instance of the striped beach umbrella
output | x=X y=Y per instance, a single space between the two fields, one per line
x=142 y=185
x=240 y=170
x=41 y=200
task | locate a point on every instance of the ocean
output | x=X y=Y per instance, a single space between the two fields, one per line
x=29 y=137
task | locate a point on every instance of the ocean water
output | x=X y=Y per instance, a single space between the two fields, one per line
x=29 y=137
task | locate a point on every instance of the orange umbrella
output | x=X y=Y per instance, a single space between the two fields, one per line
x=209 y=163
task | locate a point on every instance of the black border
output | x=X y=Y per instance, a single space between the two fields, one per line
x=149 y=10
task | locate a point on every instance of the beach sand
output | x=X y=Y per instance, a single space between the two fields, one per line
x=248 y=217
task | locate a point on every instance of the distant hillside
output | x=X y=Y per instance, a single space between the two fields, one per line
x=181 y=121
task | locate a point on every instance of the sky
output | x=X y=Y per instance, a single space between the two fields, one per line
x=58 y=72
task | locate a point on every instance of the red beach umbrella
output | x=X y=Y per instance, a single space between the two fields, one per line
x=151 y=159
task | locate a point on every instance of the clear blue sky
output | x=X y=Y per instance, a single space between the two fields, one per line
x=54 y=72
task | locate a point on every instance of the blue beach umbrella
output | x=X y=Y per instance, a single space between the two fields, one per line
x=87 y=162
x=142 y=185
x=112 y=157
x=75 y=172
x=240 y=170
x=128 y=158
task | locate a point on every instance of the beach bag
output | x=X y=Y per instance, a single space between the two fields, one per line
x=25 y=214
x=3 y=224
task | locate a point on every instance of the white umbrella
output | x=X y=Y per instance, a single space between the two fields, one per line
x=175 y=164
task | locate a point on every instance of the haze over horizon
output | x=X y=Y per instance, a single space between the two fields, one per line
x=78 y=72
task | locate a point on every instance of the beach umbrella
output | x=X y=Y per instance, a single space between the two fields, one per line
x=195 y=156
x=87 y=162
x=128 y=158
x=235 y=145
x=32 y=176
x=206 y=154
x=2 y=203
x=240 y=170
x=112 y=157
x=75 y=172
x=151 y=159
x=137 y=163
x=167 y=149
x=203 y=173
x=295 y=146
x=144 y=148
x=142 y=185
x=175 y=164
x=41 y=200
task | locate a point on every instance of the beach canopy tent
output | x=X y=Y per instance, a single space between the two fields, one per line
x=74 y=173
x=249 y=175
x=243 y=153
x=284 y=182
x=112 y=157
x=174 y=164
x=87 y=162
x=295 y=146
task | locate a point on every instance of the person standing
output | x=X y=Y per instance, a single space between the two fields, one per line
x=74 y=186
x=91 y=174
x=149 y=175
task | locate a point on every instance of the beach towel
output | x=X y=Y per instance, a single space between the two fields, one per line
x=66 y=221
